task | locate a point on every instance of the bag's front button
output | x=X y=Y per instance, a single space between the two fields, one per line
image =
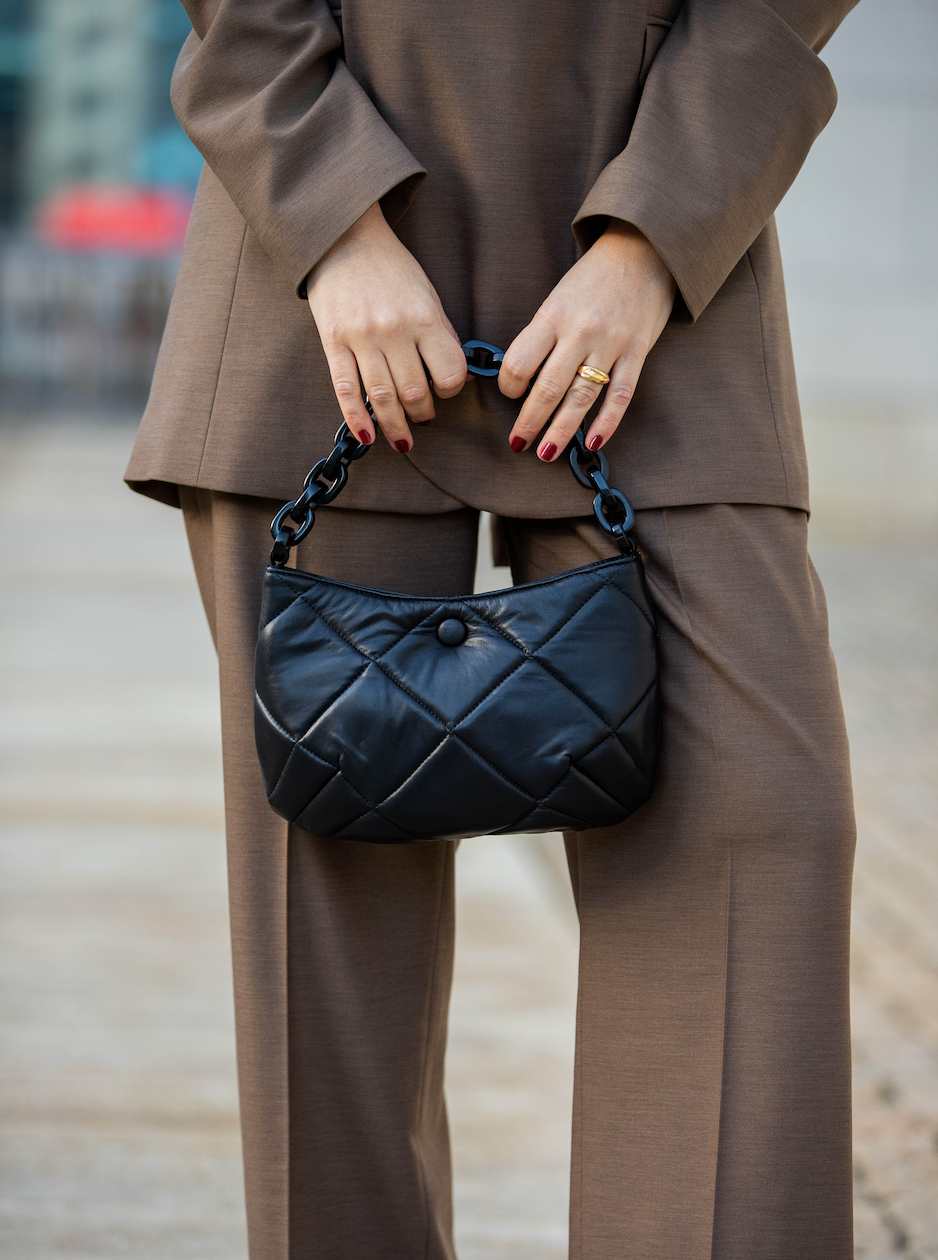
x=451 y=631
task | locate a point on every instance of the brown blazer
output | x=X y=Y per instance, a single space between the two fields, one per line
x=499 y=138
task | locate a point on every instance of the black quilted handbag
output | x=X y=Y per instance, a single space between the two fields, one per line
x=388 y=717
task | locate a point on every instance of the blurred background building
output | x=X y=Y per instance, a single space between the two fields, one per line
x=16 y=72
x=85 y=98
x=95 y=188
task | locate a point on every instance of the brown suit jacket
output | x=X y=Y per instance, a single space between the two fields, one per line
x=499 y=138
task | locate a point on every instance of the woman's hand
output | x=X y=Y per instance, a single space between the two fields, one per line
x=378 y=316
x=608 y=311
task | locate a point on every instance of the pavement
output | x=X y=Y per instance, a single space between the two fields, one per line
x=118 y=1107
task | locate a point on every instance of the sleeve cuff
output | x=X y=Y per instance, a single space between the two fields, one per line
x=591 y=221
x=297 y=142
x=395 y=192
x=727 y=115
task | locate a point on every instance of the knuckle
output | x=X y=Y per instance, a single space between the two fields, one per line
x=331 y=331
x=379 y=324
x=636 y=348
x=381 y=395
x=425 y=319
x=586 y=328
x=451 y=380
x=515 y=370
x=621 y=394
x=413 y=392
x=345 y=390
x=549 y=390
x=582 y=392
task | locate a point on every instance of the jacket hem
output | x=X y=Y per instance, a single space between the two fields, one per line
x=165 y=489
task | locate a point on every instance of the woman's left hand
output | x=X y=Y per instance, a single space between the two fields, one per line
x=608 y=311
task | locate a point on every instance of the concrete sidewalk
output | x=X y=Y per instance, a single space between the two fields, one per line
x=118 y=1103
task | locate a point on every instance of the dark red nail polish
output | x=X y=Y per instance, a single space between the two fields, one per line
x=365 y=437
x=595 y=442
x=548 y=450
x=517 y=443
x=402 y=445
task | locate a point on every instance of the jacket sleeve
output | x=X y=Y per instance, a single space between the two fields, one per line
x=731 y=105
x=262 y=91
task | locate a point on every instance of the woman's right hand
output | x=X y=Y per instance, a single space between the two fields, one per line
x=380 y=320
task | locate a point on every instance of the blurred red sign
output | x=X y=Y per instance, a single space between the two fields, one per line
x=134 y=220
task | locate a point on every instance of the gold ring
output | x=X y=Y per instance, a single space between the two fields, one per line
x=594 y=374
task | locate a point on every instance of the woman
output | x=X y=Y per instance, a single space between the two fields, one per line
x=587 y=185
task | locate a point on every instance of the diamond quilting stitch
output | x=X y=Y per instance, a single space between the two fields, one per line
x=584 y=643
x=518 y=612
x=285 y=685
x=365 y=621
x=460 y=675
x=427 y=789
x=434 y=688
x=541 y=749
x=380 y=754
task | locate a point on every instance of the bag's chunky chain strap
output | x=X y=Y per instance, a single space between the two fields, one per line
x=328 y=475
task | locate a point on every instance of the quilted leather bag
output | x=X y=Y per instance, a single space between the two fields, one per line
x=394 y=718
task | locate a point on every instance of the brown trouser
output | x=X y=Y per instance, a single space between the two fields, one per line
x=712 y=1080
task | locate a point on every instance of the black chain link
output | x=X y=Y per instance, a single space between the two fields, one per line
x=611 y=508
x=329 y=475
x=323 y=482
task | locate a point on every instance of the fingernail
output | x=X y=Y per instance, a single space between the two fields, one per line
x=402 y=445
x=595 y=442
x=547 y=450
x=365 y=437
x=517 y=443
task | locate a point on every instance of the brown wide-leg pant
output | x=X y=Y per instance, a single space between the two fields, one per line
x=711 y=1112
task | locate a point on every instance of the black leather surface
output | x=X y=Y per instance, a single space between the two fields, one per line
x=538 y=711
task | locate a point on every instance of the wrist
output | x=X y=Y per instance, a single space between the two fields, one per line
x=369 y=225
x=632 y=245
x=627 y=239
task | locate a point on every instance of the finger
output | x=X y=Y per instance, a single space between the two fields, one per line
x=623 y=379
x=445 y=360
x=524 y=356
x=382 y=394
x=343 y=370
x=568 y=417
x=410 y=381
x=548 y=391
